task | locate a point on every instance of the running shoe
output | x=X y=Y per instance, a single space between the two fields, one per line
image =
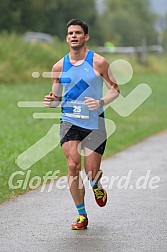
x=81 y=223
x=100 y=196
x=99 y=192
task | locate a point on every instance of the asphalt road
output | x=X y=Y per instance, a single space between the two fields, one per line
x=135 y=218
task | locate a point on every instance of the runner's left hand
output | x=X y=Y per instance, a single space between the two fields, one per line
x=91 y=103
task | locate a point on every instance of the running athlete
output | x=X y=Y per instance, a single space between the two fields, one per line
x=80 y=76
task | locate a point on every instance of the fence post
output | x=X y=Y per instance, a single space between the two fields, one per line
x=143 y=52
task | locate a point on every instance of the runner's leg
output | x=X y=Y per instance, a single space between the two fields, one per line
x=92 y=162
x=92 y=169
x=77 y=190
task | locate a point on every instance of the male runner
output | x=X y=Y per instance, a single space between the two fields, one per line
x=80 y=74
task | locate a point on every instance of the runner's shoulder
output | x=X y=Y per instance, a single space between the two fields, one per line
x=57 y=67
x=100 y=60
x=100 y=64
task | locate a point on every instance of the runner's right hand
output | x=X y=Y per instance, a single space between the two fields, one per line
x=49 y=101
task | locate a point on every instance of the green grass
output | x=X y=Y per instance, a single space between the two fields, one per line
x=148 y=119
x=19 y=130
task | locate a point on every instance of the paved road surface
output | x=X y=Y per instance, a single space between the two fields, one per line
x=134 y=219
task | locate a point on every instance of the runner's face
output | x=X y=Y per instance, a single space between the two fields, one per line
x=76 y=37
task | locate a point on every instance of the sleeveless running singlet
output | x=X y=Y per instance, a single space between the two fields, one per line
x=79 y=82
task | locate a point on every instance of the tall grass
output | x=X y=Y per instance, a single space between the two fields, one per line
x=19 y=58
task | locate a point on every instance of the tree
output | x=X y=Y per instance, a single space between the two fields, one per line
x=48 y=16
x=15 y=15
x=128 y=22
x=62 y=11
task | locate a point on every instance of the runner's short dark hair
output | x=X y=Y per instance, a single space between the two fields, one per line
x=78 y=21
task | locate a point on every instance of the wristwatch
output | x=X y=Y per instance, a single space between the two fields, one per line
x=101 y=103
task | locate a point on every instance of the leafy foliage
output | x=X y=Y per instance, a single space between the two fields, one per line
x=128 y=22
x=48 y=16
x=123 y=22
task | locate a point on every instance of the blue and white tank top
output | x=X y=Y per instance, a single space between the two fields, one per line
x=80 y=81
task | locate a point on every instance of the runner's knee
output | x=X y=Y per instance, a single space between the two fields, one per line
x=73 y=168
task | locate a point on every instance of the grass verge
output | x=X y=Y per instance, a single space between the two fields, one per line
x=19 y=130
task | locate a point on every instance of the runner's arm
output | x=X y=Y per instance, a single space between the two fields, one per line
x=113 y=89
x=53 y=99
x=102 y=68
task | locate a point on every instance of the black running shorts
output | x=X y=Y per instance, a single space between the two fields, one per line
x=92 y=139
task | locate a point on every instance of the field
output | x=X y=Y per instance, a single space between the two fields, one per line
x=19 y=130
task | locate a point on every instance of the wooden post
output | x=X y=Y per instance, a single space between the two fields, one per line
x=143 y=54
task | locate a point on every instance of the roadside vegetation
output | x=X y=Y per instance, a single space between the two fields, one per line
x=19 y=130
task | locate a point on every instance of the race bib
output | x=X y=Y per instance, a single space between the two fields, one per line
x=76 y=109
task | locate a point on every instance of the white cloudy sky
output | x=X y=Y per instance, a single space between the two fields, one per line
x=160 y=6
